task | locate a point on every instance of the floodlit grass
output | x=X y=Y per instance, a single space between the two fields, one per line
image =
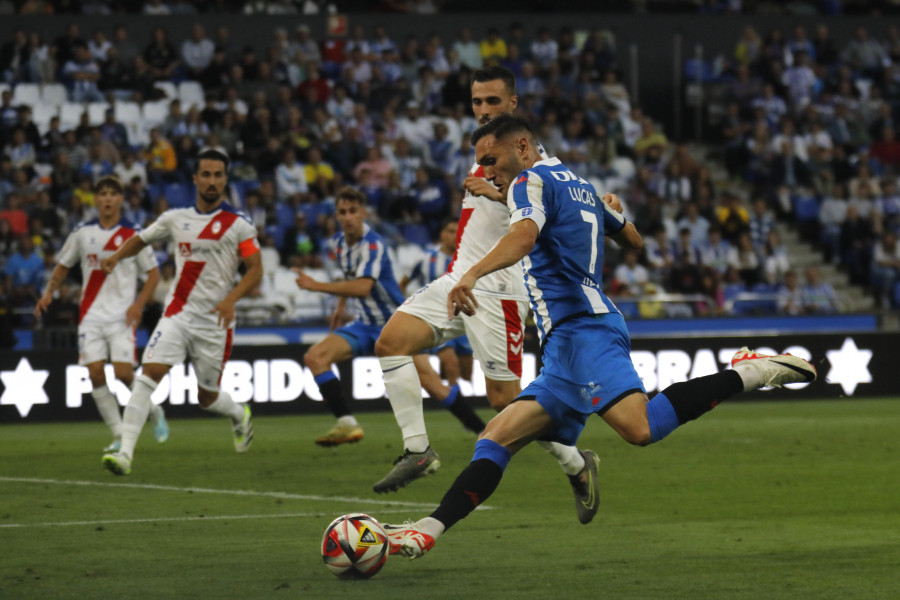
x=757 y=500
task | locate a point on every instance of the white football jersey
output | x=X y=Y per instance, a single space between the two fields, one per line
x=208 y=250
x=482 y=223
x=105 y=298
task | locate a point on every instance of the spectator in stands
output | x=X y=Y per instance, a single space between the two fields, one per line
x=319 y=174
x=159 y=156
x=744 y=258
x=81 y=74
x=129 y=168
x=714 y=251
x=732 y=217
x=378 y=167
x=431 y=199
x=761 y=222
x=14 y=214
x=160 y=56
x=21 y=152
x=886 y=269
x=864 y=54
x=819 y=296
x=697 y=225
x=630 y=276
x=774 y=257
x=300 y=243
x=290 y=179
x=95 y=166
x=24 y=271
x=856 y=246
x=493 y=47
x=887 y=149
x=791 y=299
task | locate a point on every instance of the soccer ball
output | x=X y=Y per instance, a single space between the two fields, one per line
x=354 y=546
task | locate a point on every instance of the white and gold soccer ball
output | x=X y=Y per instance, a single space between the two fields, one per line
x=354 y=546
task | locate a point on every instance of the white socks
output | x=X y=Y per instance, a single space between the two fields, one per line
x=108 y=407
x=431 y=526
x=224 y=405
x=348 y=421
x=568 y=457
x=404 y=391
x=136 y=413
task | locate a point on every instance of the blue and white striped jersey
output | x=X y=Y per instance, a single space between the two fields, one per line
x=563 y=273
x=368 y=258
x=433 y=265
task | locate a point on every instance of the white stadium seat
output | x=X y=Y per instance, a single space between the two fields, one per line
x=168 y=89
x=191 y=94
x=97 y=112
x=41 y=114
x=26 y=93
x=128 y=112
x=54 y=93
x=155 y=112
x=70 y=115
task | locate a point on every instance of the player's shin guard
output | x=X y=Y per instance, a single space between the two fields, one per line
x=136 y=413
x=401 y=381
x=330 y=388
x=683 y=402
x=455 y=402
x=108 y=408
x=475 y=484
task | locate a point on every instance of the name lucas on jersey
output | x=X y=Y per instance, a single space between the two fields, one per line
x=577 y=194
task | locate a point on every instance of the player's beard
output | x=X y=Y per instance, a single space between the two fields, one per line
x=211 y=195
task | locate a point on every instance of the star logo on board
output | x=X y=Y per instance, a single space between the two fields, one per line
x=849 y=366
x=24 y=387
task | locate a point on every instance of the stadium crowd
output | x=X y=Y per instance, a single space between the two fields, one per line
x=809 y=131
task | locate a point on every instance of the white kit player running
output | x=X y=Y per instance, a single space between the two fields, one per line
x=496 y=332
x=210 y=239
x=109 y=312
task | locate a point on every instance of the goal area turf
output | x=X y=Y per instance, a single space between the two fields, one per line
x=758 y=499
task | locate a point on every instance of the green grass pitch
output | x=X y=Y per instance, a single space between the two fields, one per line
x=757 y=500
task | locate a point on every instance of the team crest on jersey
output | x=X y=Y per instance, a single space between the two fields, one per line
x=184 y=249
x=216 y=227
x=117 y=241
x=92 y=261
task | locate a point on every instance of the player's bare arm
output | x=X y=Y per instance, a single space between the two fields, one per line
x=130 y=248
x=480 y=187
x=58 y=276
x=338 y=317
x=251 y=279
x=511 y=248
x=351 y=288
x=136 y=310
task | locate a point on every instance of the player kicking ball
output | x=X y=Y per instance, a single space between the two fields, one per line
x=557 y=229
x=198 y=323
x=108 y=312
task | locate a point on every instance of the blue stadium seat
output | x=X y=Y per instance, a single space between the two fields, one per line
x=178 y=195
x=806 y=209
x=416 y=233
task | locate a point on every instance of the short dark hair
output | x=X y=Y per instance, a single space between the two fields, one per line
x=108 y=181
x=350 y=193
x=502 y=126
x=211 y=154
x=493 y=73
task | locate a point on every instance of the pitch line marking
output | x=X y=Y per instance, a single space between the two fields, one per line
x=173 y=519
x=200 y=490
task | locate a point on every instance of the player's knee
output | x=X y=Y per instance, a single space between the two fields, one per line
x=313 y=359
x=206 y=397
x=385 y=346
x=637 y=434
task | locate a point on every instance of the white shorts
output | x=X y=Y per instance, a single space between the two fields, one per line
x=208 y=348
x=496 y=330
x=106 y=342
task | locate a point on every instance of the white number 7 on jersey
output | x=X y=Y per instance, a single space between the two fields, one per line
x=591 y=218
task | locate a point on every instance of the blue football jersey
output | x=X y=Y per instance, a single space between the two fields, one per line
x=369 y=258
x=563 y=273
x=433 y=265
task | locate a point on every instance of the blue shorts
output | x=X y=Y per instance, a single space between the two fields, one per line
x=361 y=337
x=460 y=346
x=586 y=369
